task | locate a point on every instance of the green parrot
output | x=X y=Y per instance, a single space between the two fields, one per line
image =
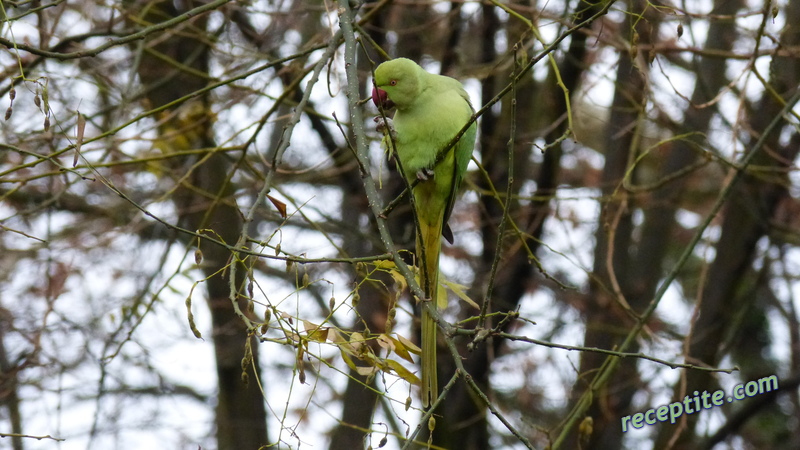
x=430 y=111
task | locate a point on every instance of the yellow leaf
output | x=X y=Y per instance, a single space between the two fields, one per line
x=344 y=346
x=409 y=345
x=315 y=332
x=402 y=372
x=347 y=359
x=384 y=265
x=385 y=342
x=356 y=341
x=459 y=291
x=335 y=337
x=399 y=349
x=391 y=268
x=399 y=280
x=441 y=297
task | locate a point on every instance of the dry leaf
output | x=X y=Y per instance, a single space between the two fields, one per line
x=279 y=205
x=79 y=138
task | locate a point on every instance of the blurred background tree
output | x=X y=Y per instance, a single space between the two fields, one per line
x=203 y=244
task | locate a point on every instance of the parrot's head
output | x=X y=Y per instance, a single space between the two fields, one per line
x=397 y=83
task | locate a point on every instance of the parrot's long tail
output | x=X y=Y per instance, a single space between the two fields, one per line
x=429 y=244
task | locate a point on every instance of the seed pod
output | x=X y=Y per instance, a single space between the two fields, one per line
x=634 y=45
x=585 y=430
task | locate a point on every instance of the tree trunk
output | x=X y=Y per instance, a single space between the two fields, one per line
x=205 y=202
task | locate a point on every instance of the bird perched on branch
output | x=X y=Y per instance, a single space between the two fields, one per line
x=431 y=110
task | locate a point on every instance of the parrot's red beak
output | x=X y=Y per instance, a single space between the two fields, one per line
x=381 y=99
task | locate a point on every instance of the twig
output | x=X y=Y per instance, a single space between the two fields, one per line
x=29 y=436
x=274 y=157
x=619 y=354
x=116 y=42
x=423 y=421
x=501 y=231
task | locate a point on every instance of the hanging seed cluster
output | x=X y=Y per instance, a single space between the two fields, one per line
x=41 y=103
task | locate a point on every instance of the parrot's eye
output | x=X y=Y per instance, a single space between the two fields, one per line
x=393 y=82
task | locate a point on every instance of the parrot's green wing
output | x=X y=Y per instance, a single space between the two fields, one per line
x=463 y=154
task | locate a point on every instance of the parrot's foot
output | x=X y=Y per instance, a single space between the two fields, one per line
x=382 y=125
x=424 y=174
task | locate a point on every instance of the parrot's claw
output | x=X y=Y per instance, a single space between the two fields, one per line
x=424 y=174
x=383 y=124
